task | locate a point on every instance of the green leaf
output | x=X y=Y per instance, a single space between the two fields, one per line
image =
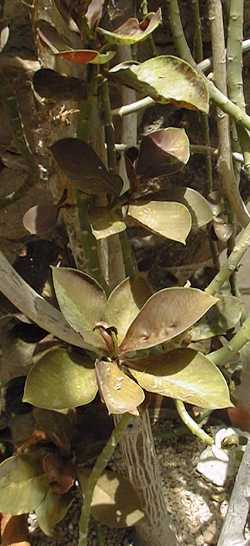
x=105 y=222
x=52 y=85
x=120 y=393
x=186 y=375
x=125 y=302
x=163 y=152
x=82 y=302
x=114 y=501
x=59 y=380
x=168 y=219
x=165 y=79
x=86 y=56
x=132 y=31
x=222 y=317
x=52 y=510
x=23 y=485
x=197 y=205
x=166 y=314
x=82 y=166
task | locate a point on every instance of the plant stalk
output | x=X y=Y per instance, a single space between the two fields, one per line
x=191 y=424
x=100 y=465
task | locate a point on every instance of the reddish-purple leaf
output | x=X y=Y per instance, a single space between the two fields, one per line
x=49 y=36
x=94 y=13
x=133 y=31
x=163 y=152
x=79 y=56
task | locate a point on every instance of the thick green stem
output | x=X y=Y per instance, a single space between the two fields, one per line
x=192 y=425
x=99 y=467
x=231 y=263
x=229 y=187
x=229 y=350
x=109 y=128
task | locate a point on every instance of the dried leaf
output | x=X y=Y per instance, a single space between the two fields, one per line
x=186 y=375
x=165 y=79
x=23 y=485
x=86 y=56
x=105 y=222
x=82 y=302
x=59 y=381
x=51 y=511
x=125 y=302
x=163 y=152
x=120 y=393
x=166 y=314
x=222 y=317
x=114 y=501
x=40 y=220
x=83 y=167
x=132 y=31
x=168 y=219
x=51 y=85
x=60 y=472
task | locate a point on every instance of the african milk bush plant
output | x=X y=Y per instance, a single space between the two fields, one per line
x=113 y=334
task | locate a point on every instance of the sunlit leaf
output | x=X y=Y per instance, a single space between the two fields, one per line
x=197 y=205
x=125 y=302
x=52 y=85
x=81 y=300
x=114 y=501
x=4 y=35
x=168 y=219
x=51 y=511
x=163 y=152
x=49 y=35
x=132 y=31
x=165 y=79
x=222 y=317
x=186 y=375
x=82 y=166
x=86 y=56
x=166 y=314
x=105 y=222
x=59 y=380
x=94 y=13
x=23 y=485
x=120 y=393
x=40 y=219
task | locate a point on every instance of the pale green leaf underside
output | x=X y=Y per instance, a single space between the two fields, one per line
x=185 y=375
x=168 y=219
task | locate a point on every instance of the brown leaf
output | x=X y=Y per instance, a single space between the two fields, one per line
x=61 y=473
x=166 y=314
x=83 y=167
x=40 y=220
x=52 y=85
x=49 y=35
x=120 y=393
x=14 y=530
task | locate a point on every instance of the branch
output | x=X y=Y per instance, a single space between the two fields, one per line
x=194 y=428
x=231 y=263
x=232 y=533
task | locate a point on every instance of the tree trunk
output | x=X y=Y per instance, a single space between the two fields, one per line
x=143 y=470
